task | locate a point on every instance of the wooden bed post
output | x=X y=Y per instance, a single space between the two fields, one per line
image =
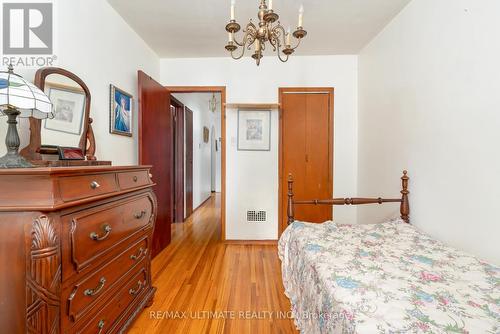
x=405 y=204
x=290 y=212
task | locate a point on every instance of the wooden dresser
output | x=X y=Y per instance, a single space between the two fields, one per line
x=75 y=248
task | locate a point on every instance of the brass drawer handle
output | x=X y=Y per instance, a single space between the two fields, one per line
x=141 y=252
x=94 y=185
x=135 y=178
x=100 y=325
x=97 y=289
x=140 y=214
x=107 y=230
x=135 y=291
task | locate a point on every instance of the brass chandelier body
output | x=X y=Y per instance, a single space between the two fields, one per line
x=269 y=30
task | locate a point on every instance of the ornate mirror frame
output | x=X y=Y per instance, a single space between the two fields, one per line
x=33 y=151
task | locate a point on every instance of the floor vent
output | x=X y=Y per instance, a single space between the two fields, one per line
x=254 y=216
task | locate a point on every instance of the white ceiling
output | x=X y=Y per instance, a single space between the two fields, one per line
x=195 y=28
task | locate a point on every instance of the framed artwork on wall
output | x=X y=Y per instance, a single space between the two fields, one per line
x=121 y=108
x=69 y=107
x=206 y=134
x=254 y=130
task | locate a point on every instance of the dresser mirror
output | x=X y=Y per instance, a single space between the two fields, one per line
x=71 y=125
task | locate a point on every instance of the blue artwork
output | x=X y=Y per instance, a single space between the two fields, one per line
x=121 y=120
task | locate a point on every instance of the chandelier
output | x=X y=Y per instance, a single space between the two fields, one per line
x=269 y=30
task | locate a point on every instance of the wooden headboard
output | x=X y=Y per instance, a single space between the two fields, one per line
x=404 y=208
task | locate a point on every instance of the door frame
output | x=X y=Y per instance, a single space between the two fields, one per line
x=307 y=90
x=222 y=91
x=179 y=149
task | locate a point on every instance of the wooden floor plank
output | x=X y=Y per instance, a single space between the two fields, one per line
x=222 y=288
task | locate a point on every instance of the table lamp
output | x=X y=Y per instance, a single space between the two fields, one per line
x=19 y=98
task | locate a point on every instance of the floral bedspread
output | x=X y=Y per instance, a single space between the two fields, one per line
x=385 y=278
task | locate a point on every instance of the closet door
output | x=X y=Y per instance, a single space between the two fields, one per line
x=306 y=132
x=317 y=157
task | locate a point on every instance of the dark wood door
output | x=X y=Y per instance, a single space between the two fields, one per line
x=155 y=149
x=189 y=161
x=178 y=111
x=306 y=139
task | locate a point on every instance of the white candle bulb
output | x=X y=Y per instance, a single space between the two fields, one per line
x=232 y=9
x=257 y=45
x=301 y=14
x=270 y=4
x=230 y=36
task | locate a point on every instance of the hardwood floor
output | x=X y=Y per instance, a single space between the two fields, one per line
x=206 y=286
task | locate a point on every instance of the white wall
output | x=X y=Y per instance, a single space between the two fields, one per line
x=202 y=116
x=252 y=177
x=96 y=44
x=429 y=101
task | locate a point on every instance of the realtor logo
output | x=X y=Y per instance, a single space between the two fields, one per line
x=27 y=28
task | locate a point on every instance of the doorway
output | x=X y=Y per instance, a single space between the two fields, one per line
x=208 y=144
x=306 y=151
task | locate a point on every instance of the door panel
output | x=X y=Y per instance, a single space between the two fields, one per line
x=155 y=148
x=179 y=163
x=306 y=135
x=294 y=136
x=317 y=156
x=189 y=161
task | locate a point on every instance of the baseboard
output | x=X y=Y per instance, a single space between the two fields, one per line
x=251 y=242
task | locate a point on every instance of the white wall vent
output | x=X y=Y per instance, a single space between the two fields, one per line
x=254 y=216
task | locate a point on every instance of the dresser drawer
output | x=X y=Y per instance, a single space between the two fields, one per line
x=79 y=187
x=108 y=315
x=96 y=232
x=129 y=180
x=90 y=291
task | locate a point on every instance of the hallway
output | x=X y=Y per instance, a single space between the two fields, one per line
x=206 y=286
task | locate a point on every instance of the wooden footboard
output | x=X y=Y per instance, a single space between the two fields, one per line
x=404 y=208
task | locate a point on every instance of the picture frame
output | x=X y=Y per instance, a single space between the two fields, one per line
x=120 y=112
x=70 y=153
x=254 y=130
x=69 y=108
x=206 y=134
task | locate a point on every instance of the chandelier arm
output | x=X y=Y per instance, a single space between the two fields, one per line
x=284 y=60
x=279 y=30
x=240 y=56
x=249 y=30
x=298 y=43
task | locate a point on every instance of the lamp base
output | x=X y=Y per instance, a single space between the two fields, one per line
x=14 y=161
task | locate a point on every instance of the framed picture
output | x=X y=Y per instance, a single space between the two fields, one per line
x=70 y=153
x=120 y=111
x=254 y=130
x=69 y=108
x=206 y=134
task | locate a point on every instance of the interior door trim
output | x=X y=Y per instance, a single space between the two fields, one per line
x=305 y=92
x=302 y=90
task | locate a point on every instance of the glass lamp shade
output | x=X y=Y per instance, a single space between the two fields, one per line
x=19 y=98
x=26 y=98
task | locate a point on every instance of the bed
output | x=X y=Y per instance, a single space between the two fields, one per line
x=383 y=278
